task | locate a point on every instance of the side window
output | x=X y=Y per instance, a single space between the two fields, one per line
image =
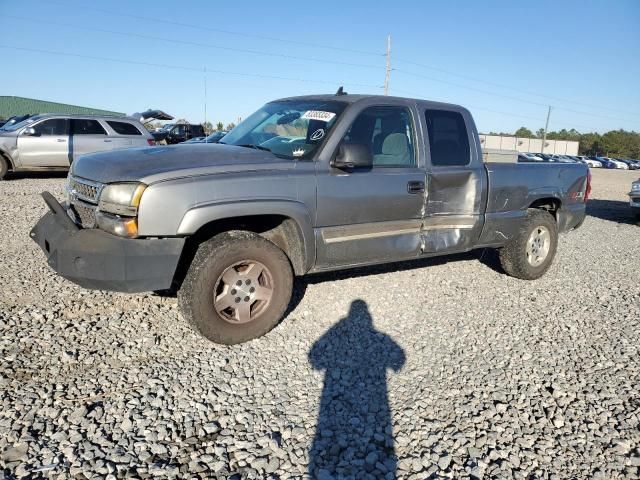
x=388 y=131
x=448 y=138
x=55 y=126
x=86 y=127
x=124 y=128
x=179 y=130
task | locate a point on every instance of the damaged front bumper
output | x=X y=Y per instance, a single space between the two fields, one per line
x=98 y=260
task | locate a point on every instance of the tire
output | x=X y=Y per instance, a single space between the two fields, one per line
x=4 y=167
x=524 y=257
x=218 y=264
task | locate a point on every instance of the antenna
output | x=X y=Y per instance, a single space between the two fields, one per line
x=340 y=92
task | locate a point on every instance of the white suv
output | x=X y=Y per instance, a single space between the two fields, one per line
x=53 y=142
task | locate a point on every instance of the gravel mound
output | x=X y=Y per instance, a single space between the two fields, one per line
x=444 y=368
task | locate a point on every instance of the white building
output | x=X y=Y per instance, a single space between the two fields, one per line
x=532 y=145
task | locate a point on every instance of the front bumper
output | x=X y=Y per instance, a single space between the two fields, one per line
x=634 y=200
x=98 y=260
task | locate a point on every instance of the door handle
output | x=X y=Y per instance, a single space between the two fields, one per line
x=107 y=141
x=415 y=187
x=60 y=140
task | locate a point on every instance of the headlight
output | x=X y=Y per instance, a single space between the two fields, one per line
x=635 y=187
x=121 y=198
x=121 y=226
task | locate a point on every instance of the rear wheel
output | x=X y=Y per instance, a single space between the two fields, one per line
x=237 y=287
x=4 y=167
x=530 y=254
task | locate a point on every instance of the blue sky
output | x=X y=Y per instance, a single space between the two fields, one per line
x=501 y=59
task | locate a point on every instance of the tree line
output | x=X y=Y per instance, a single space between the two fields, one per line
x=615 y=143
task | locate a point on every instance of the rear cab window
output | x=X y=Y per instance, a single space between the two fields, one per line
x=124 y=128
x=448 y=138
x=81 y=126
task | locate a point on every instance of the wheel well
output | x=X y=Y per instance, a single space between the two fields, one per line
x=281 y=230
x=551 y=205
x=7 y=159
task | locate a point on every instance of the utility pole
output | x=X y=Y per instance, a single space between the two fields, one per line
x=546 y=126
x=388 y=69
x=205 y=95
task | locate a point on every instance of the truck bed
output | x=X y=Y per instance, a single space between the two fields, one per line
x=514 y=187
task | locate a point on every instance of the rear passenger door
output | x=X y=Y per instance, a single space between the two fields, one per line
x=456 y=182
x=88 y=136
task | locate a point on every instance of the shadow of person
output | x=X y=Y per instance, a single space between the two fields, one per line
x=354 y=435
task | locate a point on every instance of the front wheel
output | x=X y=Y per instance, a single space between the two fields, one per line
x=530 y=254
x=4 y=167
x=237 y=287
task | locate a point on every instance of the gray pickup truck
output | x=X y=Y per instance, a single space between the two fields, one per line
x=305 y=184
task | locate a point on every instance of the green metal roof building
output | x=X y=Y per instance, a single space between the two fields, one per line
x=10 y=106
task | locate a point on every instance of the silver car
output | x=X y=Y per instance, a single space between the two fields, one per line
x=53 y=142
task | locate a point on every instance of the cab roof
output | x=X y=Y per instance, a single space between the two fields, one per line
x=354 y=98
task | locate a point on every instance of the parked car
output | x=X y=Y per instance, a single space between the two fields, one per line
x=634 y=198
x=612 y=163
x=545 y=157
x=590 y=162
x=530 y=157
x=230 y=225
x=13 y=120
x=173 y=133
x=606 y=162
x=563 y=159
x=195 y=140
x=215 y=137
x=631 y=165
x=53 y=142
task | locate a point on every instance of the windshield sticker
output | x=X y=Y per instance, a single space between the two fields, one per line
x=317 y=135
x=318 y=115
x=298 y=152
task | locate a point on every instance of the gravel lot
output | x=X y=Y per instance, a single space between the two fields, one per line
x=445 y=368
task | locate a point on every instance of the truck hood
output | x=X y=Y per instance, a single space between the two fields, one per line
x=154 y=164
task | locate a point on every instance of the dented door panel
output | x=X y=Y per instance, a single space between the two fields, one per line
x=456 y=190
x=455 y=203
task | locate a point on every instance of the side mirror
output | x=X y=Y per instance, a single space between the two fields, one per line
x=353 y=155
x=29 y=132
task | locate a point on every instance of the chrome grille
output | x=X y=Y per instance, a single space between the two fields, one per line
x=84 y=189
x=82 y=196
x=82 y=214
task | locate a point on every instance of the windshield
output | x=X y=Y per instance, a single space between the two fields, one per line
x=290 y=129
x=214 y=137
x=168 y=126
x=16 y=126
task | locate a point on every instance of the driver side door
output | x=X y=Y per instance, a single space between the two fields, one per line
x=48 y=147
x=373 y=215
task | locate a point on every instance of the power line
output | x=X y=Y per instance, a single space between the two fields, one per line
x=501 y=85
x=186 y=68
x=417 y=95
x=190 y=43
x=510 y=97
x=509 y=114
x=361 y=52
x=211 y=29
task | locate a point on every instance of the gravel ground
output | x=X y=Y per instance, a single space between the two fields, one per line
x=445 y=368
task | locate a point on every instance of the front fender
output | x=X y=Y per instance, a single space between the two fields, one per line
x=197 y=217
